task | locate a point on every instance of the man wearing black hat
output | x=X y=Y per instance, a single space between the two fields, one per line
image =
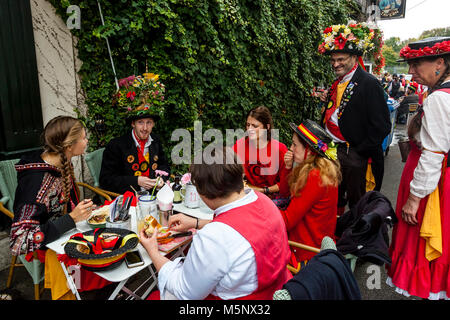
x=131 y=160
x=394 y=86
x=356 y=113
x=410 y=98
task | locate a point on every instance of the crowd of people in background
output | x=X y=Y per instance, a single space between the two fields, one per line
x=404 y=90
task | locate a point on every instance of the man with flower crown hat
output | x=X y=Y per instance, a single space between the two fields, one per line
x=356 y=114
x=132 y=159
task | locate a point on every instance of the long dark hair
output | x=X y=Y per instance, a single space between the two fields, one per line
x=263 y=115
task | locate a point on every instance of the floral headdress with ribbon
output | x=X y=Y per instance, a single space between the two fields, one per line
x=141 y=96
x=354 y=38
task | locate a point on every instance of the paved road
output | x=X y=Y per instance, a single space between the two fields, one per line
x=371 y=278
x=365 y=273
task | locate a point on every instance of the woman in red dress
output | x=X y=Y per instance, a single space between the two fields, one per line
x=262 y=155
x=420 y=241
x=312 y=179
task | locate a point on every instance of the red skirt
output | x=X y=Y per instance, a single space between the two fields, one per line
x=410 y=272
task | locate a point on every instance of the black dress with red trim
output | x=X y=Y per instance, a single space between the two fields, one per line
x=38 y=206
x=121 y=166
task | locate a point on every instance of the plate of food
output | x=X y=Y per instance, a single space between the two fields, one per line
x=168 y=240
x=98 y=217
x=151 y=224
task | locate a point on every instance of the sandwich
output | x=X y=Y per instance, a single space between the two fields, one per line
x=99 y=216
x=151 y=224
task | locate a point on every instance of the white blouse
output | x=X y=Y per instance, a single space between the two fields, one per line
x=434 y=135
x=220 y=261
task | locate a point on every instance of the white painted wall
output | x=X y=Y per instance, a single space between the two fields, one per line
x=57 y=65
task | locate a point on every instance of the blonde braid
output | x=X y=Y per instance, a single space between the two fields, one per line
x=66 y=175
x=76 y=189
x=59 y=134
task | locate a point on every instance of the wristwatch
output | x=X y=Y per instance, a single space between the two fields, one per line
x=266 y=190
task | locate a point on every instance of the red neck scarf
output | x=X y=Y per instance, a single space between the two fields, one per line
x=141 y=156
x=331 y=108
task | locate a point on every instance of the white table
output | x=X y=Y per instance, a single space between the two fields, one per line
x=202 y=212
x=120 y=274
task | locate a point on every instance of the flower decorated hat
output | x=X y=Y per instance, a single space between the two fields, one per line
x=316 y=137
x=141 y=97
x=354 y=38
x=413 y=86
x=429 y=47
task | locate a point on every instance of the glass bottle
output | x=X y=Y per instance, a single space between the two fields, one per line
x=176 y=187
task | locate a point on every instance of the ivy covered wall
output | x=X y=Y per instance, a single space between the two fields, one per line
x=217 y=59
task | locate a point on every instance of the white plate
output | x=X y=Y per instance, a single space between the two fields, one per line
x=202 y=212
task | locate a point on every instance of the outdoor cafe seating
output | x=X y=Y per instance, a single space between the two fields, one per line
x=69 y=249
x=121 y=273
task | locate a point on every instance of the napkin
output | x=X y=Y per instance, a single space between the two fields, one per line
x=165 y=197
x=112 y=208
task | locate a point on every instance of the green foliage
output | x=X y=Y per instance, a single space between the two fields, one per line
x=438 y=32
x=395 y=43
x=390 y=55
x=217 y=58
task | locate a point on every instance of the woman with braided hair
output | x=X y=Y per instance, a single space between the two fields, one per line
x=420 y=247
x=47 y=200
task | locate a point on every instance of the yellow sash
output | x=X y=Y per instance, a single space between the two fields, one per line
x=340 y=91
x=431 y=227
x=370 y=179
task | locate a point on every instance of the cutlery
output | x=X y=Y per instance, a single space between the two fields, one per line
x=181 y=234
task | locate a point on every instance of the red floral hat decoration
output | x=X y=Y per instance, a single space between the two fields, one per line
x=354 y=38
x=429 y=47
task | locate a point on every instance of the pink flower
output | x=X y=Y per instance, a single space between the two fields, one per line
x=160 y=173
x=322 y=146
x=186 y=178
x=351 y=36
x=125 y=82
